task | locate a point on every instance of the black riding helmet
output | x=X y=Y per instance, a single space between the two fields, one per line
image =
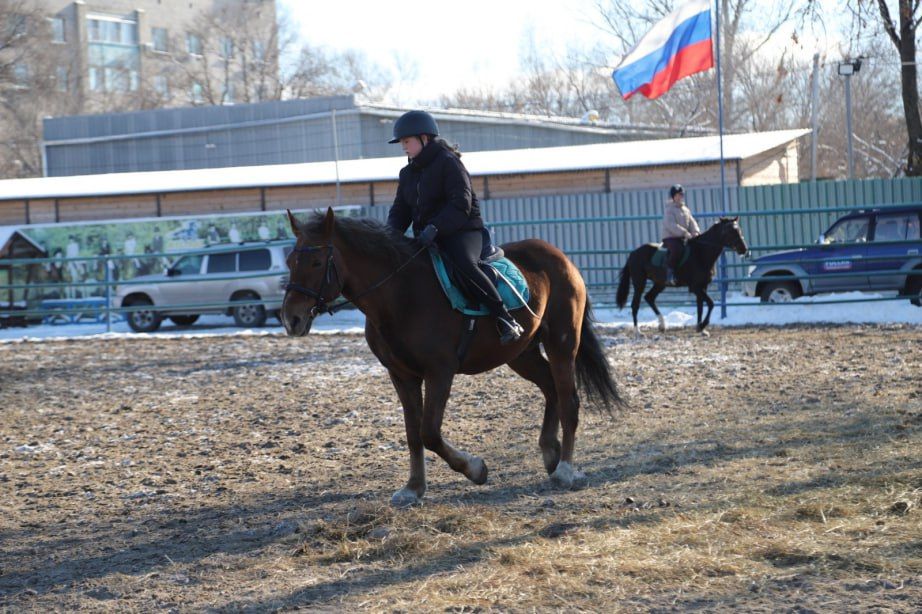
x=676 y=189
x=414 y=123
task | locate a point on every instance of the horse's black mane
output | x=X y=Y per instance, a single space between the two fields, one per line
x=366 y=236
x=712 y=229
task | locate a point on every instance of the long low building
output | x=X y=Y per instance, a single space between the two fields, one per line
x=749 y=159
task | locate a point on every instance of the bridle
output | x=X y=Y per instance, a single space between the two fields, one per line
x=320 y=303
x=721 y=244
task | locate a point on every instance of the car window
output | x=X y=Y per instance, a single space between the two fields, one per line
x=189 y=265
x=897 y=227
x=256 y=260
x=222 y=263
x=848 y=231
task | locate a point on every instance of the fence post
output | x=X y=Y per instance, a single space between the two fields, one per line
x=108 y=294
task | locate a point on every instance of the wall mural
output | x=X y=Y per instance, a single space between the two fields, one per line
x=83 y=256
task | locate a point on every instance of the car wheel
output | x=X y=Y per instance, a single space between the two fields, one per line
x=780 y=292
x=914 y=289
x=142 y=320
x=184 y=320
x=249 y=315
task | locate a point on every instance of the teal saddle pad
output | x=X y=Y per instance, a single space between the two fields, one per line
x=659 y=256
x=512 y=287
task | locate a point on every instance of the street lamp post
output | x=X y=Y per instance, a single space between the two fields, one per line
x=847 y=69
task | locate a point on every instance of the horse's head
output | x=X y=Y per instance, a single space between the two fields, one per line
x=731 y=235
x=314 y=276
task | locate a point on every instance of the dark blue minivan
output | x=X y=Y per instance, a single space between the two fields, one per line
x=868 y=250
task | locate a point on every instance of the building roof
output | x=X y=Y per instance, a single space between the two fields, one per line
x=626 y=154
x=10 y=233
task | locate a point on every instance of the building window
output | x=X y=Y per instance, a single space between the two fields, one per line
x=227 y=47
x=96 y=83
x=193 y=44
x=112 y=30
x=198 y=96
x=61 y=78
x=259 y=51
x=162 y=86
x=21 y=75
x=159 y=39
x=16 y=27
x=229 y=94
x=58 y=33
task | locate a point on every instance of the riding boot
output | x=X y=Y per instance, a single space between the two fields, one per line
x=509 y=329
x=670 y=276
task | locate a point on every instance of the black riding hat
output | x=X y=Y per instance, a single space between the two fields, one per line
x=414 y=123
x=676 y=189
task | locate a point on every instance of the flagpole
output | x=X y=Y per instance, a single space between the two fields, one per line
x=723 y=178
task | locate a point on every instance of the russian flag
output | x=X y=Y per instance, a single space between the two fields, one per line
x=678 y=45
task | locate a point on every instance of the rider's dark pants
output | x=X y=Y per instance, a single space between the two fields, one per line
x=675 y=246
x=463 y=250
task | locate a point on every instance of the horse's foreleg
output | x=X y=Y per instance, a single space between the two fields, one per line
x=437 y=391
x=703 y=297
x=409 y=390
x=532 y=366
x=651 y=300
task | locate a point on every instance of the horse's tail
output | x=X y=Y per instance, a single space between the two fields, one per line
x=624 y=286
x=592 y=369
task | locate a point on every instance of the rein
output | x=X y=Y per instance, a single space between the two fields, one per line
x=320 y=303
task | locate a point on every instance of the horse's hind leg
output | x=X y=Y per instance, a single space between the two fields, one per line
x=639 y=285
x=532 y=366
x=561 y=353
x=438 y=387
x=650 y=297
x=409 y=390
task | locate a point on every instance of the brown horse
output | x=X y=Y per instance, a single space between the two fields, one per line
x=413 y=331
x=696 y=271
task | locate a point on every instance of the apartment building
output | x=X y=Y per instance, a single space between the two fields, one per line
x=164 y=52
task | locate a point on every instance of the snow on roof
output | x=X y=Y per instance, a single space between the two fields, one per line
x=624 y=154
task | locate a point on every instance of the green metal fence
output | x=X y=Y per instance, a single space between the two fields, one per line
x=597 y=231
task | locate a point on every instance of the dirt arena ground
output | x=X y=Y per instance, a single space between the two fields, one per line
x=760 y=469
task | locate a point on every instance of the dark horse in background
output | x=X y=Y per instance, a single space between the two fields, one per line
x=696 y=271
x=415 y=334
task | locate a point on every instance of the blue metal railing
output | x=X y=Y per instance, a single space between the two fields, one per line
x=95 y=300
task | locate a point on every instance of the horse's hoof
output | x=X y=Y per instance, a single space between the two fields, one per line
x=405 y=498
x=704 y=333
x=565 y=476
x=551 y=458
x=477 y=471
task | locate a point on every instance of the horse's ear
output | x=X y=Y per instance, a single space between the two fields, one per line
x=294 y=223
x=328 y=222
x=736 y=219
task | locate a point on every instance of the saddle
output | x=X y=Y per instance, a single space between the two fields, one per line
x=659 y=256
x=510 y=283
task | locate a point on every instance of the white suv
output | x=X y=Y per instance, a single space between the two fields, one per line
x=208 y=281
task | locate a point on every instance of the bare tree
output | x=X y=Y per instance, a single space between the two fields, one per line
x=34 y=75
x=903 y=37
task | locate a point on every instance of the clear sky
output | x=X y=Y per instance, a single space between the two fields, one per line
x=464 y=43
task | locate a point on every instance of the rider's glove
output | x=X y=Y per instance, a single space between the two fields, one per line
x=427 y=236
